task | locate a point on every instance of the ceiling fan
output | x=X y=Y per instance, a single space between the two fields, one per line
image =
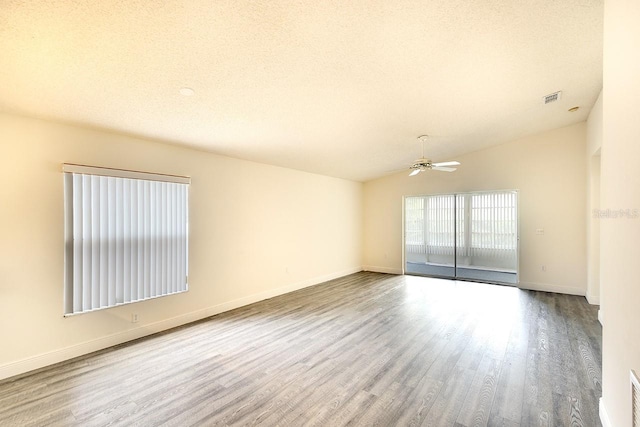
x=422 y=164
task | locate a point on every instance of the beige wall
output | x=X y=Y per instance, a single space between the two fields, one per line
x=549 y=171
x=620 y=189
x=255 y=230
x=594 y=144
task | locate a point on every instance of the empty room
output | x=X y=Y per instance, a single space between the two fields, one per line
x=326 y=213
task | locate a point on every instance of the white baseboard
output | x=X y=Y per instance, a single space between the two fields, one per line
x=600 y=317
x=545 y=287
x=604 y=417
x=387 y=270
x=42 y=360
x=593 y=299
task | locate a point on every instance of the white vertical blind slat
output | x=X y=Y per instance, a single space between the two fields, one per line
x=133 y=255
x=86 y=243
x=171 y=282
x=433 y=225
x=164 y=238
x=178 y=280
x=111 y=240
x=119 y=265
x=77 y=243
x=420 y=206
x=95 y=243
x=169 y=242
x=501 y=223
x=152 y=242
x=179 y=272
x=104 y=243
x=157 y=238
x=184 y=238
x=147 y=239
x=438 y=228
x=440 y=224
x=140 y=240
x=126 y=240
x=492 y=223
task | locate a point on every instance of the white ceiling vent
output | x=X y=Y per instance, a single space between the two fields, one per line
x=552 y=97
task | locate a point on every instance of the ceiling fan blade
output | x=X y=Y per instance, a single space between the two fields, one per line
x=442 y=169
x=415 y=172
x=454 y=163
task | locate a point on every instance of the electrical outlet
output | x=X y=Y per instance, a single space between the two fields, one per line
x=540 y=231
x=134 y=317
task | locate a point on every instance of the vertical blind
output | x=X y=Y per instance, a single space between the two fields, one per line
x=439 y=224
x=494 y=224
x=414 y=224
x=486 y=224
x=126 y=237
x=429 y=227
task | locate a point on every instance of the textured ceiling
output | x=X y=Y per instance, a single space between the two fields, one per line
x=335 y=87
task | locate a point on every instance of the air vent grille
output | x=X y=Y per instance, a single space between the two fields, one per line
x=635 y=399
x=552 y=97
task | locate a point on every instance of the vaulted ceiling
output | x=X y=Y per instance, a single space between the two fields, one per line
x=335 y=87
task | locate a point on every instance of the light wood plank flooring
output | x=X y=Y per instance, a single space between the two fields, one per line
x=367 y=349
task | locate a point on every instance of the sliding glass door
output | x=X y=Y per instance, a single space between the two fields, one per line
x=466 y=236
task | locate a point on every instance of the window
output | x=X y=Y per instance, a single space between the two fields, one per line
x=126 y=237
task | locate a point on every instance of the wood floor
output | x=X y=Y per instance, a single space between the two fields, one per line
x=367 y=349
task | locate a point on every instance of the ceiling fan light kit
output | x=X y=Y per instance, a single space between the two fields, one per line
x=423 y=164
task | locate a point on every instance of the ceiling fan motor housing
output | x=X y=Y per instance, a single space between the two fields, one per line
x=422 y=164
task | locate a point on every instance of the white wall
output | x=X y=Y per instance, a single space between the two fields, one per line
x=594 y=128
x=594 y=145
x=255 y=231
x=548 y=169
x=620 y=189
